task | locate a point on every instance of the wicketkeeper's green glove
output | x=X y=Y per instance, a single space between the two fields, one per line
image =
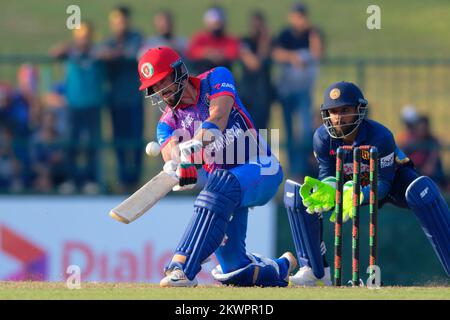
x=318 y=196
x=347 y=203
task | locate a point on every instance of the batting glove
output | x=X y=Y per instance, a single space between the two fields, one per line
x=187 y=172
x=191 y=152
x=174 y=169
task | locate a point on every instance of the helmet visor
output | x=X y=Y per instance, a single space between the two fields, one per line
x=165 y=96
x=340 y=131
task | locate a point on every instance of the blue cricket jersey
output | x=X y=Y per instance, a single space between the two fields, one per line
x=370 y=133
x=211 y=84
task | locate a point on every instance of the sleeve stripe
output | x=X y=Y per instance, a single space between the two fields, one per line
x=223 y=93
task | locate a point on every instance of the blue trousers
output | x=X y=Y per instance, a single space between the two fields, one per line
x=404 y=176
x=256 y=190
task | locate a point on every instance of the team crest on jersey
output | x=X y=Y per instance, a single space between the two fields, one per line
x=147 y=70
x=335 y=93
x=387 y=161
x=365 y=154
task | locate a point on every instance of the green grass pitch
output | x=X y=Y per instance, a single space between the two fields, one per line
x=106 y=291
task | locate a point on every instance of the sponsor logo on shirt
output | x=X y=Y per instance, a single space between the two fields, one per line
x=348 y=168
x=186 y=123
x=224 y=85
x=365 y=173
x=387 y=161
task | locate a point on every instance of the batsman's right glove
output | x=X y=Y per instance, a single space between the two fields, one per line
x=187 y=172
x=186 y=175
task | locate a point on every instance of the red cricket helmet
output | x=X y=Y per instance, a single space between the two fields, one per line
x=156 y=64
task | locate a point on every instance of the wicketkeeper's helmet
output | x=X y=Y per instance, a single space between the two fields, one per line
x=341 y=94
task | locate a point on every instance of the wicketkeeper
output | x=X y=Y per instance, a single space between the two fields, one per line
x=344 y=114
x=202 y=129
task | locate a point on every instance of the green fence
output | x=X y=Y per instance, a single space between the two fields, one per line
x=388 y=84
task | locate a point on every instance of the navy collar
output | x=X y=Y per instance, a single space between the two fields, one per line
x=359 y=140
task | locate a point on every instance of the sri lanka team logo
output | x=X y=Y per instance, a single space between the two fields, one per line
x=335 y=93
x=147 y=70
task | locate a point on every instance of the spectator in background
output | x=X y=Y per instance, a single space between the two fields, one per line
x=423 y=148
x=410 y=118
x=85 y=81
x=55 y=101
x=9 y=165
x=124 y=100
x=212 y=47
x=27 y=92
x=297 y=51
x=15 y=117
x=27 y=86
x=5 y=101
x=255 y=85
x=165 y=34
x=48 y=155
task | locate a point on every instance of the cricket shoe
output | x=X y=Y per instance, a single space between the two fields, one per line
x=292 y=263
x=306 y=277
x=177 y=278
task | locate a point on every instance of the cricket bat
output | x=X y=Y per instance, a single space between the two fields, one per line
x=144 y=199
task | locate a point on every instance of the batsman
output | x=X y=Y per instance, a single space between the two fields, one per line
x=205 y=131
x=345 y=122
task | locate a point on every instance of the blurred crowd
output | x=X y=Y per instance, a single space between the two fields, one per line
x=50 y=142
x=421 y=145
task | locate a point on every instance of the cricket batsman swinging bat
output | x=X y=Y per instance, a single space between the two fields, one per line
x=144 y=199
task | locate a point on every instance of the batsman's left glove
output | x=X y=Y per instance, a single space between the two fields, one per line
x=191 y=152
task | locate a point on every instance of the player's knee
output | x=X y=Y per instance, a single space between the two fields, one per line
x=292 y=197
x=224 y=182
x=221 y=194
x=422 y=190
